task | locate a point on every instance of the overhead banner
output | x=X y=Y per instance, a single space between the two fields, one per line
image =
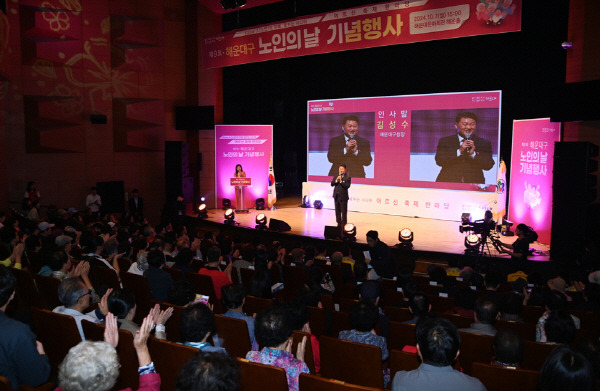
x=251 y=147
x=390 y=23
x=532 y=162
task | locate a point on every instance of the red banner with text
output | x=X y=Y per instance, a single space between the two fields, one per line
x=383 y=24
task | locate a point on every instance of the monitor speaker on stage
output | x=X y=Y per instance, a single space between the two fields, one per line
x=279 y=225
x=331 y=232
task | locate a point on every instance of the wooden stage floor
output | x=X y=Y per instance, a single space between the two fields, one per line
x=429 y=234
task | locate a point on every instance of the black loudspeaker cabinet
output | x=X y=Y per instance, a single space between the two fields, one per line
x=573 y=191
x=194 y=117
x=279 y=225
x=331 y=232
x=112 y=195
x=177 y=171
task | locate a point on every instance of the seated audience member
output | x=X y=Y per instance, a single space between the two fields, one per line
x=234 y=297
x=159 y=280
x=196 y=325
x=219 y=278
x=590 y=348
x=364 y=318
x=209 y=372
x=140 y=265
x=183 y=260
x=95 y=365
x=75 y=297
x=464 y=303
x=182 y=293
x=380 y=256
x=511 y=307
x=508 y=349
x=486 y=312
x=273 y=330
x=121 y=303
x=419 y=307
x=559 y=328
x=57 y=265
x=554 y=301
x=298 y=310
x=566 y=370
x=438 y=346
x=591 y=298
x=22 y=358
x=409 y=289
x=492 y=281
x=93 y=246
x=261 y=281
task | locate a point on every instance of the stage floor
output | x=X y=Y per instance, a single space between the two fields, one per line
x=429 y=234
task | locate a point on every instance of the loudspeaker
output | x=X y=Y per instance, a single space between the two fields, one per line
x=194 y=117
x=113 y=196
x=98 y=119
x=279 y=225
x=331 y=232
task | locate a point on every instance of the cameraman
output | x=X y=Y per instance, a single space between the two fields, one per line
x=520 y=247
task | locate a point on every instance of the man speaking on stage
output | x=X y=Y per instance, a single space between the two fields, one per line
x=340 y=184
x=349 y=148
x=464 y=156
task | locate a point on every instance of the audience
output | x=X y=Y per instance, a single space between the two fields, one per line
x=566 y=370
x=159 y=280
x=274 y=333
x=363 y=318
x=234 y=297
x=486 y=312
x=196 y=325
x=94 y=366
x=419 y=307
x=209 y=372
x=508 y=349
x=219 y=278
x=22 y=358
x=438 y=346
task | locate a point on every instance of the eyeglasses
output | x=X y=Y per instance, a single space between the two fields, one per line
x=84 y=295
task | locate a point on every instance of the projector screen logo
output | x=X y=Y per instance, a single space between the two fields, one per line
x=531 y=195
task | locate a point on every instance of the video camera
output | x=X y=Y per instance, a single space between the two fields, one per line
x=480 y=227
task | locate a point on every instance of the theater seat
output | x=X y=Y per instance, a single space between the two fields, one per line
x=316 y=383
x=260 y=377
x=234 y=333
x=168 y=359
x=497 y=378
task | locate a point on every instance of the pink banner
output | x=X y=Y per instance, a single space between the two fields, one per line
x=530 y=189
x=383 y=24
x=251 y=147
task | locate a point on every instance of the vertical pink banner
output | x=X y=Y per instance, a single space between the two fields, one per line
x=250 y=146
x=530 y=189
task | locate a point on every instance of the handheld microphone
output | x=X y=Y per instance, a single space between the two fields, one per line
x=468 y=137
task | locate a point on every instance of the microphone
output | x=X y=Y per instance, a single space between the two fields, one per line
x=468 y=137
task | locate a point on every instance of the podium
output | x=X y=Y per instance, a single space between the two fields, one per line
x=239 y=193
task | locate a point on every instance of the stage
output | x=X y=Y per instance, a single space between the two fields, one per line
x=430 y=235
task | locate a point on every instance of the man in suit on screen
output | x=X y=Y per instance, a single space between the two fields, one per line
x=349 y=148
x=340 y=184
x=464 y=156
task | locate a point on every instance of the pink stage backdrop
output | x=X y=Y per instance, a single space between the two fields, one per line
x=530 y=189
x=389 y=23
x=248 y=145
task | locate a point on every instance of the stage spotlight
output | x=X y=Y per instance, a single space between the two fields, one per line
x=229 y=216
x=506 y=224
x=202 y=199
x=472 y=243
x=260 y=204
x=318 y=204
x=261 y=221
x=349 y=232
x=305 y=202
x=405 y=236
x=202 y=210
x=226 y=203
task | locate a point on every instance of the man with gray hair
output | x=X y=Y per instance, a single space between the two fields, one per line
x=75 y=297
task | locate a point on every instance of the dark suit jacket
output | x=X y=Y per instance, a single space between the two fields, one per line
x=455 y=168
x=354 y=164
x=340 y=190
x=140 y=206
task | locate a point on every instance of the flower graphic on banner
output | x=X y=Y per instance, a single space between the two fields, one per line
x=494 y=11
x=73 y=5
x=57 y=20
x=531 y=195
